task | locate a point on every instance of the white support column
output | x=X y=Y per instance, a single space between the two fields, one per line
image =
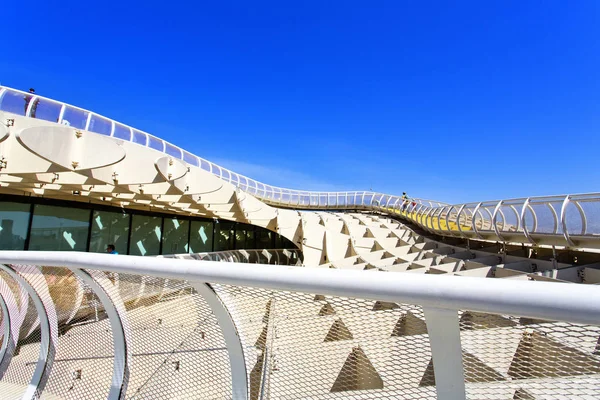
x=29 y=277
x=115 y=310
x=235 y=351
x=8 y=342
x=444 y=338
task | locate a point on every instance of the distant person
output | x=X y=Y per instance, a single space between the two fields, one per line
x=404 y=201
x=27 y=99
x=110 y=249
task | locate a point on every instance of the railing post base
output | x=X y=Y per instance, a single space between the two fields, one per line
x=444 y=338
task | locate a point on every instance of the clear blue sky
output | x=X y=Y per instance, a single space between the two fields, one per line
x=456 y=101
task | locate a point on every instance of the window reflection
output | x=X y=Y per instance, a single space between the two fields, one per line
x=14 y=220
x=201 y=236
x=145 y=235
x=100 y=125
x=74 y=117
x=122 y=132
x=67 y=228
x=224 y=233
x=46 y=110
x=109 y=228
x=175 y=236
x=14 y=102
x=59 y=228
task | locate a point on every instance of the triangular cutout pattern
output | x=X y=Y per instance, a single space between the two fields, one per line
x=350 y=252
x=475 y=371
x=369 y=266
x=539 y=356
x=473 y=320
x=327 y=309
x=256 y=377
x=387 y=254
x=268 y=312
x=345 y=230
x=357 y=373
x=409 y=325
x=338 y=331
x=522 y=394
x=384 y=305
x=368 y=234
x=262 y=339
x=377 y=246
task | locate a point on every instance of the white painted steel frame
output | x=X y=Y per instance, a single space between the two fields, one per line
x=441 y=297
x=115 y=310
x=48 y=326
x=235 y=351
x=312 y=200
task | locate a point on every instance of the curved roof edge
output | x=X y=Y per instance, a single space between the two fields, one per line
x=571 y=217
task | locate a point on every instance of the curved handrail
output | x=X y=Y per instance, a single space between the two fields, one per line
x=478 y=227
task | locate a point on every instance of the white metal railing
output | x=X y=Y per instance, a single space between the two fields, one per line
x=564 y=220
x=440 y=297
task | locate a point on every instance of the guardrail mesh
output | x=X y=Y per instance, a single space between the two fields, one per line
x=524 y=358
x=296 y=346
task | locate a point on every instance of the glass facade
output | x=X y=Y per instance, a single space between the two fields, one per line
x=14 y=223
x=109 y=228
x=175 y=236
x=201 y=236
x=146 y=235
x=59 y=228
x=71 y=226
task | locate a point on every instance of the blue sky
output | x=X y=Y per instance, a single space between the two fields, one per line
x=455 y=101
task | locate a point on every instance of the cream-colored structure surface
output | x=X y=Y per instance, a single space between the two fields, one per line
x=295 y=345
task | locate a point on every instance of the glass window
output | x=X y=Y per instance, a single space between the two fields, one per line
x=75 y=117
x=225 y=174
x=224 y=233
x=244 y=236
x=109 y=228
x=175 y=236
x=155 y=143
x=240 y=238
x=59 y=228
x=250 y=238
x=14 y=221
x=264 y=239
x=287 y=244
x=14 y=102
x=100 y=125
x=190 y=158
x=205 y=165
x=122 y=132
x=201 y=236
x=278 y=241
x=139 y=137
x=145 y=236
x=46 y=110
x=172 y=150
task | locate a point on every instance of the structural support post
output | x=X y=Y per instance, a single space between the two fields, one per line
x=115 y=309
x=33 y=281
x=235 y=351
x=444 y=338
